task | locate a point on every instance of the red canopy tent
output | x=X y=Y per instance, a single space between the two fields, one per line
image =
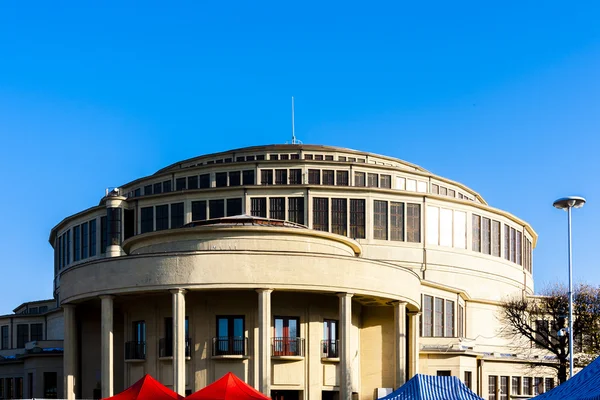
x=147 y=388
x=229 y=387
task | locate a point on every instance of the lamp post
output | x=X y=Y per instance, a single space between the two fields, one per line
x=567 y=203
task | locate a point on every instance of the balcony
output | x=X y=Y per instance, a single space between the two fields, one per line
x=330 y=349
x=135 y=351
x=229 y=347
x=165 y=348
x=287 y=347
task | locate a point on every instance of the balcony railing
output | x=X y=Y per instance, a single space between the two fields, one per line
x=165 y=347
x=330 y=349
x=135 y=350
x=287 y=346
x=229 y=346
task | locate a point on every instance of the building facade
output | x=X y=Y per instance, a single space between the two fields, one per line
x=311 y=272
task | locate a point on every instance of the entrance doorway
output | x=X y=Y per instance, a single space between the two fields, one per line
x=330 y=395
x=285 y=394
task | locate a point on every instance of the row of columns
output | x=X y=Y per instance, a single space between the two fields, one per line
x=264 y=354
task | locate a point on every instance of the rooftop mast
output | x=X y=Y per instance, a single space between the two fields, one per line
x=294 y=140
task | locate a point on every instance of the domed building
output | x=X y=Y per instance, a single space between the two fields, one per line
x=311 y=272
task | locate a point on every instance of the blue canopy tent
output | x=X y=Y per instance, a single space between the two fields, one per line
x=585 y=385
x=427 y=387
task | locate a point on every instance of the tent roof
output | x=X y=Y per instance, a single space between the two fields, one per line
x=585 y=385
x=229 y=387
x=427 y=387
x=147 y=388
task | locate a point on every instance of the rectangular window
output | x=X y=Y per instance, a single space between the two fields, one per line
x=258 y=207
x=166 y=186
x=314 y=177
x=199 y=210
x=221 y=179
x=538 y=385
x=476 y=233
x=449 y=318
x=359 y=179
x=192 y=182
x=286 y=337
x=515 y=385
x=180 y=183
x=147 y=190
x=506 y=242
x=321 y=214
x=4 y=338
x=176 y=215
x=460 y=321
x=296 y=210
x=308 y=156
x=162 y=217
x=549 y=384
x=295 y=177
x=216 y=208
x=19 y=388
x=541 y=332
x=266 y=177
x=519 y=248
x=281 y=177
x=460 y=229
x=22 y=335
x=258 y=158
x=273 y=157
x=328 y=177
x=103 y=237
x=341 y=178
x=277 y=208
x=380 y=219
x=513 y=244
x=357 y=218
x=373 y=180
x=451 y=193
x=527 y=386
x=9 y=388
x=137 y=192
x=77 y=243
x=60 y=253
x=486 y=236
x=92 y=238
x=469 y=379
x=435 y=189
x=397 y=221
x=427 y=317
x=231 y=336
x=330 y=339
x=204 y=181
x=503 y=388
x=37 y=332
x=319 y=157
x=157 y=188
x=443 y=373
x=413 y=223
x=235 y=178
x=446 y=226
x=438 y=317
x=50 y=385
x=443 y=191
x=68 y=247
x=234 y=207
x=147 y=219
x=339 y=216
x=496 y=238
x=85 y=240
x=248 y=177
x=386 y=181
x=492 y=387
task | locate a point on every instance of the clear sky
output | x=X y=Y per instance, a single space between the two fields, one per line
x=501 y=96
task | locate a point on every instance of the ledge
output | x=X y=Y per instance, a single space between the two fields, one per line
x=229 y=357
x=330 y=359
x=169 y=358
x=135 y=360
x=287 y=358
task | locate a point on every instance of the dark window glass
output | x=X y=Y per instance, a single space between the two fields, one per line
x=321 y=214
x=235 y=178
x=386 y=181
x=352 y=159
x=496 y=238
x=296 y=210
x=413 y=223
x=486 y=236
x=314 y=177
x=295 y=176
x=137 y=192
x=513 y=244
x=506 y=242
x=128 y=223
x=476 y=233
x=380 y=219
x=139 y=332
x=192 y=182
x=113 y=216
x=19 y=388
x=294 y=156
x=341 y=178
x=103 y=235
x=92 y=238
x=339 y=216
x=469 y=379
x=231 y=333
x=204 y=181
x=68 y=250
x=427 y=317
x=519 y=258
x=199 y=210
x=449 y=318
x=22 y=335
x=357 y=218
x=397 y=221
x=330 y=344
x=252 y=158
x=240 y=159
x=248 y=177
x=85 y=240
x=373 y=180
x=460 y=321
x=50 y=385
x=37 y=332
x=258 y=207
x=234 y=207
x=228 y=160
x=444 y=373
x=549 y=384
x=538 y=385
x=221 y=179
x=515 y=385
x=328 y=177
x=492 y=387
x=158 y=188
x=180 y=184
x=176 y=215
x=76 y=243
x=4 y=339
x=281 y=177
x=273 y=156
x=146 y=219
x=527 y=385
x=147 y=190
x=308 y=157
x=277 y=208
x=285 y=157
x=216 y=208
x=438 y=317
x=266 y=177
x=328 y=158
x=167 y=186
x=341 y=158
x=319 y=157
x=162 y=217
x=59 y=251
x=359 y=179
x=287 y=333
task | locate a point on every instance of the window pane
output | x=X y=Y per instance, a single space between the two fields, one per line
x=438 y=317
x=192 y=182
x=147 y=219
x=357 y=218
x=277 y=208
x=295 y=176
x=373 y=180
x=296 y=209
x=216 y=209
x=221 y=179
x=339 y=215
x=413 y=223
x=258 y=207
x=341 y=178
x=386 y=181
x=427 y=316
x=234 y=207
x=380 y=219
x=162 y=217
x=460 y=229
x=397 y=221
x=176 y=215
x=266 y=177
x=445 y=227
x=476 y=232
x=449 y=322
x=199 y=210
x=486 y=245
x=359 y=179
x=235 y=178
x=281 y=177
x=433 y=225
x=496 y=238
x=248 y=177
x=314 y=176
x=320 y=214
x=328 y=177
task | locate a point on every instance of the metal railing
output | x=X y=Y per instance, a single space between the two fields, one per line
x=165 y=347
x=287 y=346
x=330 y=349
x=229 y=346
x=135 y=350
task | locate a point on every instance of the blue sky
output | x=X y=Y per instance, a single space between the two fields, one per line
x=503 y=97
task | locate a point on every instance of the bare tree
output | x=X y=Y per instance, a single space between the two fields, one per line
x=541 y=321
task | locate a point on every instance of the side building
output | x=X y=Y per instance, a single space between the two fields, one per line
x=311 y=272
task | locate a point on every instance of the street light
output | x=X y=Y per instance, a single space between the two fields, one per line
x=567 y=203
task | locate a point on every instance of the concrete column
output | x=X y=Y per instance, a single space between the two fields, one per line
x=264 y=333
x=70 y=351
x=345 y=378
x=399 y=343
x=106 y=362
x=179 y=341
x=413 y=343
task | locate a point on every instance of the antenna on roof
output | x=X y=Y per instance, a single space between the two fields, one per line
x=294 y=140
